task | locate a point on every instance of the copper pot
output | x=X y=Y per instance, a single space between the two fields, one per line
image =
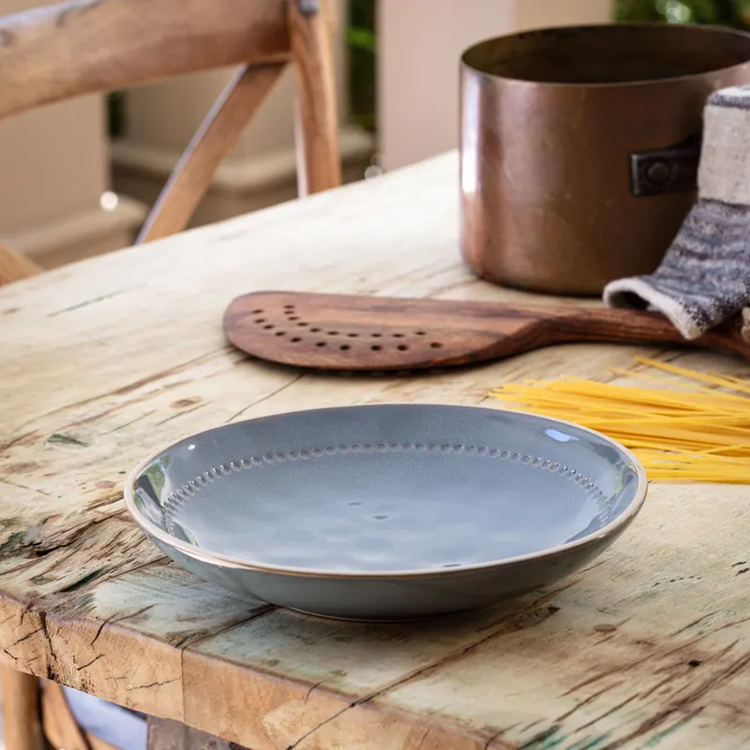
x=580 y=147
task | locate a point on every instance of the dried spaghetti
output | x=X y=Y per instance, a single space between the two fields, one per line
x=696 y=431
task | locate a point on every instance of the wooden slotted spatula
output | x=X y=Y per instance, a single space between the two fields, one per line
x=342 y=332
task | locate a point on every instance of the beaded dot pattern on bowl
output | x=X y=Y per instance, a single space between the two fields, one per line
x=352 y=520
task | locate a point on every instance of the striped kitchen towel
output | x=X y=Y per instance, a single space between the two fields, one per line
x=704 y=277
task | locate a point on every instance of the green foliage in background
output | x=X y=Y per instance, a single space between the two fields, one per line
x=362 y=48
x=733 y=13
x=116 y=113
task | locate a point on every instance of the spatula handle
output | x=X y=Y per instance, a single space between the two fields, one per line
x=635 y=327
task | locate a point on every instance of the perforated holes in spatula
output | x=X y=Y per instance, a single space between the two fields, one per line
x=335 y=339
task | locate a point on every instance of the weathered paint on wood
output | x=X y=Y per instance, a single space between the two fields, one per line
x=105 y=360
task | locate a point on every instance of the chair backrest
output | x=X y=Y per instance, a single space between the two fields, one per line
x=79 y=47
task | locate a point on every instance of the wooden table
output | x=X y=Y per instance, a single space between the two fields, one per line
x=105 y=360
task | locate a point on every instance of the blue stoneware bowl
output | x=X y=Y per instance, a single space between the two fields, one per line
x=387 y=512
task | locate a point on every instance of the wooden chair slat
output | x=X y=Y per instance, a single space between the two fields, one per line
x=318 y=158
x=80 y=47
x=215 y=138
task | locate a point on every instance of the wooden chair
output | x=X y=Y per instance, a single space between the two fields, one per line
x=85 y=46
x=80 y=47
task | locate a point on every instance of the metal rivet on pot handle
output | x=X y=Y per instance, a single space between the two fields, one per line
x=666 y=170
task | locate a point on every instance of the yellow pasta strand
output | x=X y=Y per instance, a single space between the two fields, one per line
x=683 y=429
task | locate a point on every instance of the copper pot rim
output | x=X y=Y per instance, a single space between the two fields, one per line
x=667 y=28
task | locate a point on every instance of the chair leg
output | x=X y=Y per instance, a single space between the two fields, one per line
x=60 y=726
x=21 y=710
x=14 y=266
x=317 y=126
x=165 y=734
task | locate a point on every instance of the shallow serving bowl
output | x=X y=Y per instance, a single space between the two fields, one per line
x=387 y=512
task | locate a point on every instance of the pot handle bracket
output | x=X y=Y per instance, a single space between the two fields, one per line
x=666 y=170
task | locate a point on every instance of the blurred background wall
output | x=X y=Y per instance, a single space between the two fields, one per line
x=421 y=42
x=80 y=176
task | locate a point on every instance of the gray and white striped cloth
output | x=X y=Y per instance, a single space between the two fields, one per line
x=704 y=277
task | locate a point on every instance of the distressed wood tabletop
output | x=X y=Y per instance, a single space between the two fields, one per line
x=103 y=361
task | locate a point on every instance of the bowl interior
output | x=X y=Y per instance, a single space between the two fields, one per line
x=386 y=488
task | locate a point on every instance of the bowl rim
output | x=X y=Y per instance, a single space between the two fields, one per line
x=227 y=561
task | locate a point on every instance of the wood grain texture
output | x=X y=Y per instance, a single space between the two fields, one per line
x=214 y=139
x=25 y=721
x=84 y=46
x=647 y=648
x=21 y=725
x=317 y=126
x=22 y=719
x=345 y=332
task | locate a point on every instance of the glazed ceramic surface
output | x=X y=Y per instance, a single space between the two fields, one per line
x=387 y=512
